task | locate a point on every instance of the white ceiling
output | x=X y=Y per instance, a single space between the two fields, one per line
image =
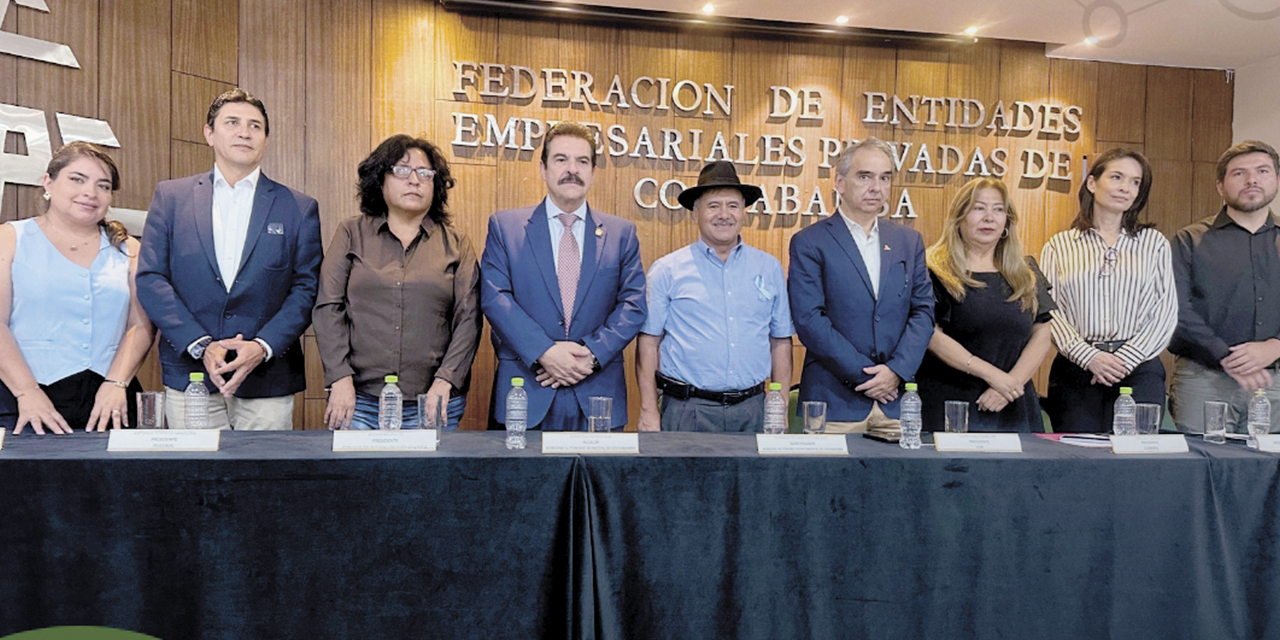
x=1217 y=34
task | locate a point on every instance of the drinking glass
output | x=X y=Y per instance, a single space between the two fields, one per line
x=957 y=416
x=430 y=419
x=1148 y=418
x=150 y=410
x=601 y=417
x=1215 y=422
x=815 y=416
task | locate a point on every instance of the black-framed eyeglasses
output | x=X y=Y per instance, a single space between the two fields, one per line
x=402 y=172
x=1109 y=262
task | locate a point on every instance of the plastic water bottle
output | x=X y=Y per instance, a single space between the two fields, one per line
x=517 y=414
x=1125 y=420
x=390 y=404
x=196 y=411
x=1259 y=417
x=775 y=409
x=910 y=420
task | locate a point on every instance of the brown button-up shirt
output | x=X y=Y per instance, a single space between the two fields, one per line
x=385 y=310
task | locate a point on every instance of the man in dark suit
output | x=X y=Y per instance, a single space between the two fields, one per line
x=563 y=289
x=227 y=272
x=861 y=298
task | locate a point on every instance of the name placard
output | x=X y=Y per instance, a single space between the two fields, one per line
x=977 y=442
x=163 y=439
x=577 y=442
x=1269 y=442
x=799 y=444
x=391 y=440
x=1164 y=443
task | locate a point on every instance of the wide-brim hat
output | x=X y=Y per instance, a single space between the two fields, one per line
x=718 y=175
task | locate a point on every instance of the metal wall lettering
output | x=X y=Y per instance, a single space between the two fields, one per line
x=24 y=169
x=27 y=47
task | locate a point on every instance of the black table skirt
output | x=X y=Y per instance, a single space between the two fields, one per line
x=274 y=536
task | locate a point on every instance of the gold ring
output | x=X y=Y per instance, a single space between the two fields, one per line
x=115 y=412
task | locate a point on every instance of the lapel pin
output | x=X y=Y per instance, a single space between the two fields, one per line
x=886 y=247
x=599 y=231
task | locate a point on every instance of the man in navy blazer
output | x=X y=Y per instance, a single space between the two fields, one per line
x=563 y=289
x=227 y=272
x=861 y=298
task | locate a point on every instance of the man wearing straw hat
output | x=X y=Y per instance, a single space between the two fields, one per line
x=719 y=323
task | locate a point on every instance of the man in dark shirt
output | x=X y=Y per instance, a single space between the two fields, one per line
x=1227 y=269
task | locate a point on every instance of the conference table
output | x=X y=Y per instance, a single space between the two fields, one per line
x=277 y=536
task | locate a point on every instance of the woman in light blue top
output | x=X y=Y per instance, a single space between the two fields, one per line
x=74 y=333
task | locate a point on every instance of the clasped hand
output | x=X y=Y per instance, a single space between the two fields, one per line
x=1247 y=364
x=249 y=354
x=565 y=364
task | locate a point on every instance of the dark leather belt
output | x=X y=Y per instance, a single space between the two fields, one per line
x=1110 y=346
x=681 y=391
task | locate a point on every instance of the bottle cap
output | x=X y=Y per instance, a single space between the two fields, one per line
x=775 y=386
x=391 y=379
x=1259 y=392
x=1126 y=391
x=196 y=377
x=911 y=386
x=517 y=382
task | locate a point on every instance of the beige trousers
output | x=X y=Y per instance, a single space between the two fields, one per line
x=240 y=414
x=874 y=419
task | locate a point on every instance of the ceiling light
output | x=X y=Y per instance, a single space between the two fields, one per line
x=1091 y=40
x=971 y=31
x=842 y=19
x=708 y=8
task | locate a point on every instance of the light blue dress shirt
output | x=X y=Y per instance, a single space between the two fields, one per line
x=557 y=228
x=66 y=318
x=715 y=318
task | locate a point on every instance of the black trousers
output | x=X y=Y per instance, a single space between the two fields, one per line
x=1076 y=406
x=73 y=397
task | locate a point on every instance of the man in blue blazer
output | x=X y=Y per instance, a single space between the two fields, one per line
x=861 y=298
x=563 y=289
x=227 y=272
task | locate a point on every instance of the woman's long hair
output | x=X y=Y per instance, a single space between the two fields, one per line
x=948 y=257
x=1128 y=222
x=116 y=233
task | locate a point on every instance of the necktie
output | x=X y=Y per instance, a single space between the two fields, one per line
x=568 y=268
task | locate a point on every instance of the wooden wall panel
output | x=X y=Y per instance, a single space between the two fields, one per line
x=1213 y=100
x=135 y=38
x=339 y=83
x=660 y=230
x=9 y=95
x=189 y=158
x=205 y=38
x=1205 y=200
x=273 y=67
x=1122 y=102
x=1024 y=75
x=189 y=106
x=1071 y=82
x=403 y=54
x=1168 y=121
x=1171 y=196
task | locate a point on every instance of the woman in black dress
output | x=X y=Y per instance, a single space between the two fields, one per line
x=991 y=311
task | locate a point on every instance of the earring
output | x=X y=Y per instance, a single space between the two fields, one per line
x=46 y=196
x=1006 y=233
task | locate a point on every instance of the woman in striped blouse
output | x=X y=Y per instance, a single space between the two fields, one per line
x=1112 y=279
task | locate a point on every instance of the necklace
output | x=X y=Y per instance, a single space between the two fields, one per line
x=80 y=243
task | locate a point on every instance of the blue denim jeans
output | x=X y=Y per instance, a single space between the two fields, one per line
x=366 y=412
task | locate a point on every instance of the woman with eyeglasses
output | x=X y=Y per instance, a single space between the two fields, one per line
x=1117 y=305
x=399 y=292
x=991 y=313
